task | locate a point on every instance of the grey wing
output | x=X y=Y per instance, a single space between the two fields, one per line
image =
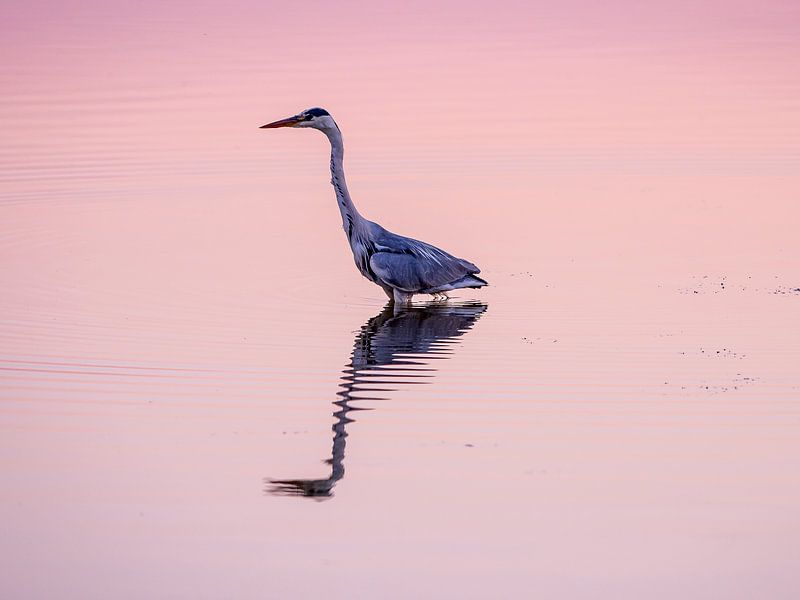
x=412 y=266
x=397 y=271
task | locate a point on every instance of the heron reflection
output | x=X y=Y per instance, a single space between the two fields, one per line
x=385 y=356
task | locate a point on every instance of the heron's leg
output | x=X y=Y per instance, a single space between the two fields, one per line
x=402 y=298
x=389 y=292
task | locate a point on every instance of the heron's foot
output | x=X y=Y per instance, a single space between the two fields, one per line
x=440 y=297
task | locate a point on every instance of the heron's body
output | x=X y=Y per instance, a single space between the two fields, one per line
x=400 y=265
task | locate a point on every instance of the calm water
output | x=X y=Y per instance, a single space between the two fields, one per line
x=201 y=398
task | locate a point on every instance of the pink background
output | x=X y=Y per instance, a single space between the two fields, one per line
x=178 y=301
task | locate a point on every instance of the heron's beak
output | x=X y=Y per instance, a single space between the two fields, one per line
x=291 y=121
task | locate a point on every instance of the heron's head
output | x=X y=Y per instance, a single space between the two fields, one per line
x=318 y=118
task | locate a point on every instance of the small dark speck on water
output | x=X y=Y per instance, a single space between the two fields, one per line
x=470 y=445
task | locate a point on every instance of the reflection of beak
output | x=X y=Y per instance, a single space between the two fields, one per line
x=283 y=122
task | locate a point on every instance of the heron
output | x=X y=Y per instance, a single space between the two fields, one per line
x=400 y=265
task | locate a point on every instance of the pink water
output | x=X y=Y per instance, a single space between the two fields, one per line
x=182 y=327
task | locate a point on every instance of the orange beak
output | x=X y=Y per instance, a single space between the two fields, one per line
x=283 y=122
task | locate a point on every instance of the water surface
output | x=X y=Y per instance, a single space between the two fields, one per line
x=201 y=398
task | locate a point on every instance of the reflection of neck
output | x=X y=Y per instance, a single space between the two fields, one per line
x=350 y=216
x=339 y=440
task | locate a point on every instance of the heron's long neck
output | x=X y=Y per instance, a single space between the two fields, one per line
x=351 y=218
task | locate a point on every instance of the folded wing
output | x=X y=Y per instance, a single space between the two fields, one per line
x=413 y=266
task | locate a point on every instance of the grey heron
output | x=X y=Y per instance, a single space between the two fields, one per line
x=402 y=266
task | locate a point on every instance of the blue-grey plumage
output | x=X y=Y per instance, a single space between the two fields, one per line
x=400 y=265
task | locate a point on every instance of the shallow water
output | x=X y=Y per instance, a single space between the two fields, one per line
x=200 y=397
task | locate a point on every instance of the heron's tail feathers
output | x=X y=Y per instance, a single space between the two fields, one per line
x=471 y=268
x=469 y=281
